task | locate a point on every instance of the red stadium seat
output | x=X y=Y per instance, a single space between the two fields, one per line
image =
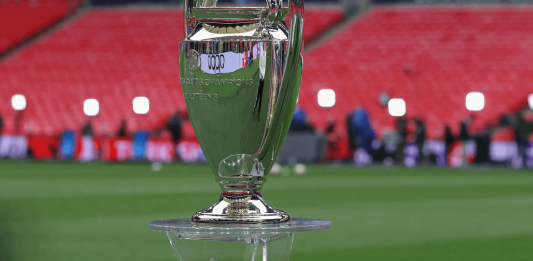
x=112 y=56
x=432 y=58
x=22 y=19
x=318 y=20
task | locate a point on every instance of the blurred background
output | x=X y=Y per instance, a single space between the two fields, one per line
x=414 y=120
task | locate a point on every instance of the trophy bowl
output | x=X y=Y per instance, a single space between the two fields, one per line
x=241 y=69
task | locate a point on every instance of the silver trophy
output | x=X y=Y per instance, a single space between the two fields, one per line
x=241 y=69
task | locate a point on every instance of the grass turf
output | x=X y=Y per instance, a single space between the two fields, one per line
x=73 y=211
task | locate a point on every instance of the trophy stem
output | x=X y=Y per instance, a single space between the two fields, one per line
x=241 y=207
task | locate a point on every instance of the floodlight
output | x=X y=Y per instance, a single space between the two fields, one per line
x=530 y=101
x=18 y=102
x=397 y=107
x=475 y=101
x=141 y=105
x=326 y=98
x=91 y=107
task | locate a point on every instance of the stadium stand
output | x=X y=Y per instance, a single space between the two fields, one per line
x=318 y=21
x=113 y=56
x=21 y=20
x=429 y=56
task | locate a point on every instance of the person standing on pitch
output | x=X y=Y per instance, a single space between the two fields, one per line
x=174 y=126
x=122 y=130
x=420 y=139
x=364 y=129
x=464 y=137
x=401 y=131
x=351 y=131
x=520 y=134
x=449 y=138
x=300 y=121
x=1 y=126
x=87 y=129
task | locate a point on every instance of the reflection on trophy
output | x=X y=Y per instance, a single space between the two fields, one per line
x=241 y=70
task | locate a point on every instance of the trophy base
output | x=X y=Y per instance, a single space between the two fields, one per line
x=241 y=208
x=229 y=242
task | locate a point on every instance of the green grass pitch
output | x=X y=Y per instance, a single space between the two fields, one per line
x=96 y=211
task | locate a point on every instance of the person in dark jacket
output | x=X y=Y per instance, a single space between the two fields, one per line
x=464 y=136
x=520 y=134
x=365 y=132
x=1 y=123
x=1 y=126
x=351 y=131
x=300 y=121
x=482 y=140
x=87 y=129
x=449 y=139
x=401 y=131
x=122 y=130
x=174 y=126
x=420 y=138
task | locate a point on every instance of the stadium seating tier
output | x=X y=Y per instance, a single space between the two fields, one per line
x=22 y=19
x=431 y=57
x=112 y=55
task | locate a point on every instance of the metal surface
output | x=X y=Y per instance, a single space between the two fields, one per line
x=241 y=70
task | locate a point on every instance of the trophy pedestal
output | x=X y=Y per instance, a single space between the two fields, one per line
x=231 y=242
x=241 y=208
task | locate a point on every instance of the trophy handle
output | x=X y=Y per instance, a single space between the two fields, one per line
x=284 y=102
x=189 y=20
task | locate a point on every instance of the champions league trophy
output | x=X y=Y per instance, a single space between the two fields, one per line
x=240 y=70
